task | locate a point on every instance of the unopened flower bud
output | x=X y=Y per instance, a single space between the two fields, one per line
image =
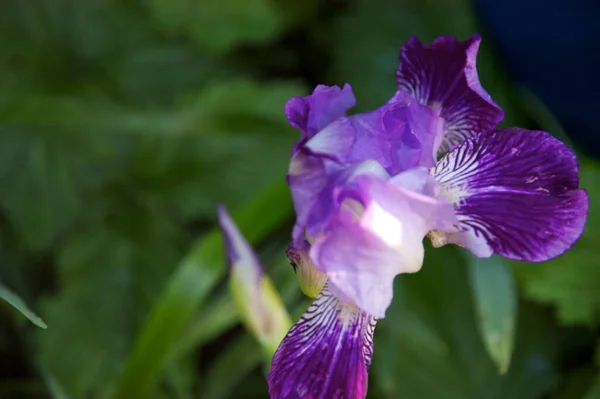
x=261 y=309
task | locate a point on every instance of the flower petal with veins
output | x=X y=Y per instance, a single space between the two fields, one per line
x=516 y=193
x=444 y=75
x=326 y=354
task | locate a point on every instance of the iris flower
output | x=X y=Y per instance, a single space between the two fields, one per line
x=368 y=188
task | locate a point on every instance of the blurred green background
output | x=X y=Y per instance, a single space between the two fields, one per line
x=124 y=123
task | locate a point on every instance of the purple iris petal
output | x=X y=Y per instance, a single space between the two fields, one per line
x=377 y=234
x=307 y=177
x=516 y=194
x=326 y=354
x=312 y=113
x=396 y=137
x=313 y=181
x=443 y=75
x=399 y=135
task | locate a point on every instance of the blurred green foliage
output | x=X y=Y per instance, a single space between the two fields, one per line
x=123 y=124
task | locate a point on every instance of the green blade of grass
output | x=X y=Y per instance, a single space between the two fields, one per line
x=16 y=301
x=188 y=287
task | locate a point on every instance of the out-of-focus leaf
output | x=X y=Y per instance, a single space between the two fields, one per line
x=575 y=384
x=571 y=281
x=594 y=392
x=240 y=357
x=234 y=105
x=495 y=297
x=237 y=125
x=219 y=26
x=158 y=74
x=62 y=44
x=187 y=289
x=21 y=306
x=55 y=389
x=428 y=346
x=231 y=127
x=40 y=187
x=181 y=378
x=217 y=316
x=108 y=281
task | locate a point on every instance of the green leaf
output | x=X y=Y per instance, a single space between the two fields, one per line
x=240 y=358
x=218 y=315
x=21 y=306
x=41 y=194
x=188 y=288
x=576 y=383
x=55 y=389
x=428 y=345
x=235 y=126
x=594 y=392
x=219 y=26
x=495 y=298
x=571 y=281
x=182 y=70
x=108 y=279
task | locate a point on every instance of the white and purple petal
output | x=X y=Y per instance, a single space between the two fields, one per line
x=444 y=75
x=516 y=193
x=314 y=180
x=312 y=113
x=326 y=354
x=376 y=234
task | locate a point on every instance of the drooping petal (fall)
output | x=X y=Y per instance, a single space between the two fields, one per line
x=326 y=354
x=516 y=193
x=444 y=75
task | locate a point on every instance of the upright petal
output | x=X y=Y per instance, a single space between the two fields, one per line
x=399 y=135
x=312 y=113
x=326 y=354
x=515 y=193
x=444 y=75
x=377 y=234
x=259 y=305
